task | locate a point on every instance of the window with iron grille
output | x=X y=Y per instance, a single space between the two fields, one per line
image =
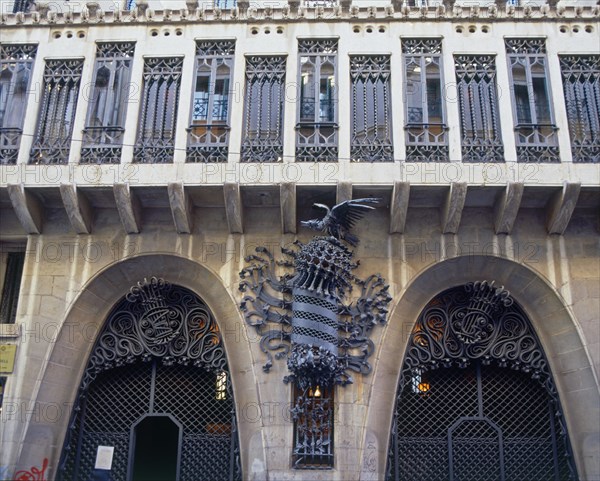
x=208 y=134
x=16 y=63
x=535 y=130
x=316 y=130
x=159 y=357
x=108 y=100
x=476 y=399
x=158 y=113
x=21 y=5
x=11 y=287
x=581 y=85
x=225 y=4
x=263 y=109
x=426 y=129
x=52 y=140
x=478 y=103
x=371 y=138
x=313 y=427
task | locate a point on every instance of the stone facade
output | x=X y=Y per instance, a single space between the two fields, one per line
x=90 y=232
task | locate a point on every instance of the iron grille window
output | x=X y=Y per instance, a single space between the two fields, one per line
x=535 y=129
x=57 y=112
x=158 y=358
x=22 y=5
x=371 y=109
x=225 y=4
x=208 y=134
x=478 y=103
x=426 y=129
x=313 y=427
x=160 y=100
x=581 y=84
x=11 y=287
x=263 y=109
x=316 y=130
x=16 y=63
x=108 y=98
x=476 y=398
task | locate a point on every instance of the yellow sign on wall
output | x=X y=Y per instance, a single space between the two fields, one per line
x=7 y=358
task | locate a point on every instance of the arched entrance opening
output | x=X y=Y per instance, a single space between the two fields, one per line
x=476 y=398
x=157 y=390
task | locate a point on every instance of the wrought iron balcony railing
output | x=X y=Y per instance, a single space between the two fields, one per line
x=316 y=142
x=208 y=143
x=537 y=143
x=426 y=142
x=10 y=138
x=102 y=145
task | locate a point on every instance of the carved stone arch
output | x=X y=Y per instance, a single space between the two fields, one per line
x=160 y=353
x=551 y=319
x=44 y=436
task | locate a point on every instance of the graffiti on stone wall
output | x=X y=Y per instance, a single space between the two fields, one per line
x=33 y=474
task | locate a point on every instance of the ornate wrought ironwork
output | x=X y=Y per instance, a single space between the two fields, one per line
x=16 y=63
x=263 y=109
x=52 y=140
x=581 y=84
x=160 y=353
x=476 y=399
x=305 y=316
x=103 y=134
x=478 y=102
x=160 y=100
x=426 y=129
x=535 y=131
x=316 y=129
x=208 y=134
x=371 y=109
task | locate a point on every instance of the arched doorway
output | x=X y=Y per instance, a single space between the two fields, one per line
x=157 y=390
x=476 y=398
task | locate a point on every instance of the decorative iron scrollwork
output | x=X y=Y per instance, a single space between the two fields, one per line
x=305 y=315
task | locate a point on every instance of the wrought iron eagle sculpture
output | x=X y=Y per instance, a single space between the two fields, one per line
x=306 y=315
x=341 y=218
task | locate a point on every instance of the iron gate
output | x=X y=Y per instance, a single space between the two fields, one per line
x=476 y=399
x=159 y=355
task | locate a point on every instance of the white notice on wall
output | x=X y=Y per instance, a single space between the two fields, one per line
x=104 y=457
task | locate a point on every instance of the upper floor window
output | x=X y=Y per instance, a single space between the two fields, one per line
x=426 y=129
x=478 y=103
x=208 y=134
x=108 y=100
x=581 y=84
x=535 y=130
x=16 y=63
x=57 y=112
x=21 y=5
x=158 y=113
x=263 y=109
x=316 y=138
x=371 y=137
x=225 y=4
x=12 y=265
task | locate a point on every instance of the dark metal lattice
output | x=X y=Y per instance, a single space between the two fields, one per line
x=52 y=140
x=535 y=130
x=16 y=63
x=478 y=102
x=476 y=400
x=160 y=353
x=263 y=109
x=316 y=129
x=208 y=133
x=581 y=84
x=12 y=285
x=158 y=114
x=371 y=109
x=108 y=100
x=426 y=129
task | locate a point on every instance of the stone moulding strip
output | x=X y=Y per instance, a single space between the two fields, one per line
x=527 y=13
